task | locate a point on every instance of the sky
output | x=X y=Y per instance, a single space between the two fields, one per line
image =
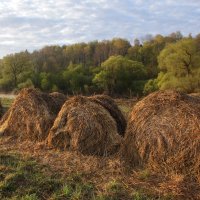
x=32 y=24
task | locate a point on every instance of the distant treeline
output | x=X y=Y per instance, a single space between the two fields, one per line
x=115 y=66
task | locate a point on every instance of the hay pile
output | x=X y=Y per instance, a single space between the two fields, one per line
x=84 y=126
x=109 y=104
x=1 y=110
x=30 y=116
x=163 y=133
x=59 y=99
x=195 y=94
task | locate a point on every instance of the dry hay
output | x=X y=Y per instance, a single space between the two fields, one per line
x=163 y=133
x=109 y=104
x=30 y=116
x=101 y=171
x=86 y=127
x=195 y=94
x=59 y=99
x=1 y=110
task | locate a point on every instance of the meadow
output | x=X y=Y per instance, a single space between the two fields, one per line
x=31 y=171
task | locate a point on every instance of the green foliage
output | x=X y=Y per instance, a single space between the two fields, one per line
x=181 y=58
x=137 y=87
x=54 y=88
x=114 y=66
x=6 y=102
x=6 y=84
x=27 y=84
x=44 y=81
x=16 y=68
x=150 y=86
x=77 y=77
x=118 y=74
x=180 y=66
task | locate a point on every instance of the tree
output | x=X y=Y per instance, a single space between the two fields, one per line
x=45 y=82
x=77 y=78
x=180 y=65
x=134 y=53
x=16 y=68
x=120 y=46
x=150 y=86
x=137 y=42
x=177 y=35
x=118 y=74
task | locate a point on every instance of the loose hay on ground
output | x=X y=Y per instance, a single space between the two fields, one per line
x=84 y=126
x=163 y=133
x=109 y=104
x=1 y=110
x=59 y=99
x=30 y=116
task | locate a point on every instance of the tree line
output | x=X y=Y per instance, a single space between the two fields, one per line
x=115 y=66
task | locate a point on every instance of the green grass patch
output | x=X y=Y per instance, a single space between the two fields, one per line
x=125 y=109
x=6 y=102
x=25 y=179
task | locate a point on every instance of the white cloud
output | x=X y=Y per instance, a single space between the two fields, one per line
x=30 y=24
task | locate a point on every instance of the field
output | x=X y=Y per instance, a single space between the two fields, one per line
x=32 y=171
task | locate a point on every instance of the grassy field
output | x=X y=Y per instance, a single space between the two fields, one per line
x=30 y=171
x=6 y=102
x=23 y=178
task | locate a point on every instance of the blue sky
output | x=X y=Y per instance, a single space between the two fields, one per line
x=32 y=24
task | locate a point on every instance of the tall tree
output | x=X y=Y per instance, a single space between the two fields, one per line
x=16 y=67
x=118 y=74
x=180 y=65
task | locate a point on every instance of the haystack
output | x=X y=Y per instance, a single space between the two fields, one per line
x=59 y=99
x=163 y=133
x=109 y=104
x=1 y=110
x=30 y=116
x=86 y=127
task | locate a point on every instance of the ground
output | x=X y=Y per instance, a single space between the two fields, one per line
x=32 y=171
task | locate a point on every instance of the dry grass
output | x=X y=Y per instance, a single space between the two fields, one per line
x=30 y=116
x=111 y=178
x=109 y=104
x=107 y=174
x=163 y=134
x=195 y=94
x=1 y=110
x=85 y=126
x=59 y=98
x=126 y=105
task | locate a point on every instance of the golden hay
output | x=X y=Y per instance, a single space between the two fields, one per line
x=86 y=127
x=109 y=104
x=1 y=110
x=195 y=94
x=59 y=99
x=163 y=133
x=30 y=116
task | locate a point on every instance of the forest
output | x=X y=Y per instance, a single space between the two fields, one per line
x=115 y=67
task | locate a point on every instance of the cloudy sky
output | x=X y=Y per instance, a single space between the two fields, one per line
x=32 y=24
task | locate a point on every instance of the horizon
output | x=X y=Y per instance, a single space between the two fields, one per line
x=31 y=25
